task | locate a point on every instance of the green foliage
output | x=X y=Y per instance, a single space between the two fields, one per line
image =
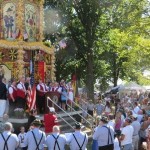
x=108 y=39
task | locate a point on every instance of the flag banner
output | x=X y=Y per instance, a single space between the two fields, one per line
x=41 y=70
x=31 y=98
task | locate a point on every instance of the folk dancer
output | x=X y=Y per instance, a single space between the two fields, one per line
x=56 y=141
x=35 y=138
x=12 y=97
x=21 y=93
x=78 y=139
x=42 y=89
x=8 y=140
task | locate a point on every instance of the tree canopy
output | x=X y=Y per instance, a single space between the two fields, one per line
x=107 y=39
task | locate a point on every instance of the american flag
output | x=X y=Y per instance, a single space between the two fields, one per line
x=31 y=99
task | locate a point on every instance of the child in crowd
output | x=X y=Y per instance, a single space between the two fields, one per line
x=21 y=138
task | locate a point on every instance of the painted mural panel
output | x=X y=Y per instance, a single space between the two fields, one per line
x=9 y=25
x=30 y=21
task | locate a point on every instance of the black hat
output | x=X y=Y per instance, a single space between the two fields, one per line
x=104 y=119
x=36 y=122
x=78 y=125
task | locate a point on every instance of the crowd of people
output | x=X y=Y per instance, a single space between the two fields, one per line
x=119 y=124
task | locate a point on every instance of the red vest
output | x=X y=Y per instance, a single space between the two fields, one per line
x=21 y=93
x=14 y=94
x=42 y=89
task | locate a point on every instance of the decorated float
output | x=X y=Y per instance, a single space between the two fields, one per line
x=21 y=36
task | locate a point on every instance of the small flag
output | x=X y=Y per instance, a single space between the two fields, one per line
x=62 y=44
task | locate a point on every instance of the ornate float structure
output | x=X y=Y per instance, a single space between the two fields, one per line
x=21 y=36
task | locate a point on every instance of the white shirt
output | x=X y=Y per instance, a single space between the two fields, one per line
x=80 y=138
x=45 y=88
x=21 y=138
x=136 y=126
x=10 y=90
x=50 y=141
x=128 y=132
x=136 y=110
x=111 y=123
x=12 y=142
x=21 y=86
x=116 y=144
x=30 y=141
x=101 y=135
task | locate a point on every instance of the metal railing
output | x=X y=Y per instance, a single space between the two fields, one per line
x=91 y=124
x=49 y=99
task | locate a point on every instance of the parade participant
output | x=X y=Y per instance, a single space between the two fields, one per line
x=56 y=141
x=12 y=97
x=35 y=139
x=126 y=135
x=50 y=120
x=104 y=135
x=3 y=97
x=99 y=107
x=21 y=138
x=78 y=140
x=136 y=126
x=31 y=117
x=8 y=140
x=21 y=93
x=41 y=91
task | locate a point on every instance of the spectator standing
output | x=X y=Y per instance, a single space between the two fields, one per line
x=56 y=141
x=90 y=108
x=99 y=107
x=8 y=140
x=126 y=135
x=2 y=123
x=136 y=126
x=104 y=134
x=35 y=139
x=78 y=140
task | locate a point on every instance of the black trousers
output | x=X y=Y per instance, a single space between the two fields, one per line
x=21 y=102
x=12 y=106
x=41 y=104
x=107 y=147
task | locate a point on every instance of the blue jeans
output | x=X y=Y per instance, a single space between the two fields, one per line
x=126 y=147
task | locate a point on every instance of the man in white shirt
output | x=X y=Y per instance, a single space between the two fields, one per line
x=136 y=126
x=126 y=135
x=78 y=140
x=7 y=139
x=104 y=135
x=35 y=139
x=42 y=89
x=56 y=141
x=21 y=93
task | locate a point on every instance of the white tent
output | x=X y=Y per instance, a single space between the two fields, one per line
x=129 y=88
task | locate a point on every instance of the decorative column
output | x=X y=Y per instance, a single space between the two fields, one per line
x=20 y=19
x=41 y=21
